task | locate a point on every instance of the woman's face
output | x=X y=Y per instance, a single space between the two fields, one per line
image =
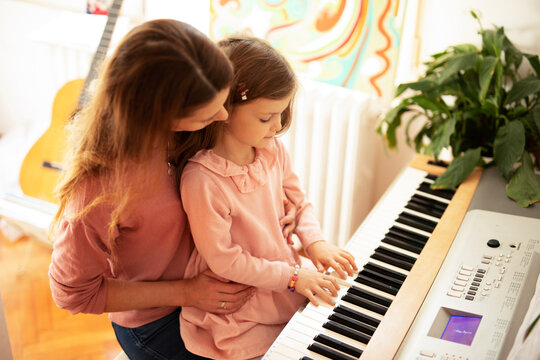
x=205 y=115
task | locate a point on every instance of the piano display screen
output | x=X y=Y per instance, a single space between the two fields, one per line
x=461 y=329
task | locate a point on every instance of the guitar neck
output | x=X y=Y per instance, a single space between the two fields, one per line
x=101 y=51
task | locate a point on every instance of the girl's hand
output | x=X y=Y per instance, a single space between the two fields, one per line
x=288 y=222
x=324 y=254
x=212 y=293
x=311 y=283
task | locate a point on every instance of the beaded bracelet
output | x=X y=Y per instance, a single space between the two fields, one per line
x=293 y=279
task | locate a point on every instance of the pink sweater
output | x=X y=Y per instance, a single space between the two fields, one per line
x=153 y=243
x=234 y=214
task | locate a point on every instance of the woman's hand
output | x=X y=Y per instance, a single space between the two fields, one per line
x=288 y=222
x=212 y=293
x=311 y=283
x=324 y=254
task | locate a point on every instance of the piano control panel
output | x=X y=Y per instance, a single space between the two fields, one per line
x=482 y=292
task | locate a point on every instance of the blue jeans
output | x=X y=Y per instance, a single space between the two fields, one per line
x=158 y=340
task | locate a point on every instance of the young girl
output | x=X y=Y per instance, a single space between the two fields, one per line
x=233 y=191
x=120 y=245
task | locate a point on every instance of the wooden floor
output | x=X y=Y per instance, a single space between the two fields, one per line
x=37 y=328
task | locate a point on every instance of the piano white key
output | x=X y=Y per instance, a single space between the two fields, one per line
x=398 y=250
x=413 y=229
x=389 y=267
x=362 y=244
x=421 y=215
x=434 y=197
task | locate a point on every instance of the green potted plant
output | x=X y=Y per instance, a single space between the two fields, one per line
x=483 y=105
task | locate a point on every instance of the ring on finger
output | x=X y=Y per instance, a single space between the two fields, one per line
x=223 y=305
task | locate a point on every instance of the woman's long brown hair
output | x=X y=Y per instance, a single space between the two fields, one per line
x=162 y=70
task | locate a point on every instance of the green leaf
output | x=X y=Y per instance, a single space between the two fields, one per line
x=458 y=63
x=522 y=89
x=487 y=68
x=422 y=85
x=535 y=63
x=512 y=55
x=523 y=187
x=441 y=137
x=392 y=119
x=508 y=146
x=426 y=103
x=492 y=41
x=458 y=170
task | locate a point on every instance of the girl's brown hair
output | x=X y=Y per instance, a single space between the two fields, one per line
x=260 y=71
x=161 y=71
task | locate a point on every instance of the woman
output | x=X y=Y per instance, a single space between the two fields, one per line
x=120 y=245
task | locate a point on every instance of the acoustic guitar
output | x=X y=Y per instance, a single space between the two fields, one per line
x=41 y=167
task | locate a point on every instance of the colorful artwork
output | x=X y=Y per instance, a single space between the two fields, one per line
x=352 y=43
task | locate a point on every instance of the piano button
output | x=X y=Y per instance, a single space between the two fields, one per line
x=475 y=283
x=466 y=267
x=460 y=283
x=356 y=315
x=458 y=288
x=462 y=278
x=469 y=297
x=386 y=271
x=471 y=292
x=473 y=288
x=329 y=352
x=465 y=272
x=352 y=323
x=454 y=294
x=369 y=296
x=338 y=345
x=363 y=303
x=417 y=222
x=481 y=271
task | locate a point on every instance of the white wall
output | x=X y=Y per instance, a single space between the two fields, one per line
x=434 y=25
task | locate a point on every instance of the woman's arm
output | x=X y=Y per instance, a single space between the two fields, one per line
x=206 y=291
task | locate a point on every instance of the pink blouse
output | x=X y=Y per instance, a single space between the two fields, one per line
x=153 y=243
x=234 y=214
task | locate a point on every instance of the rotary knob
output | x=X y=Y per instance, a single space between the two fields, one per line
x=493 y=243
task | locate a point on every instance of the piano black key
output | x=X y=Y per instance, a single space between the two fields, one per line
x=394 y=255
x=419 y=206
x=376 y=275
x=329 y=352
x=338 y=345
x=364 y=303
x=416 y=222
x=306 y=358
x=357 y=315
x=352 y=323
x=435 y=204
x=408 y=235
x=368 y=280
x=347 y=332
x=431 y=177
x=385 y=271
x=369 y=295
x=443 y=193
x=403 y=244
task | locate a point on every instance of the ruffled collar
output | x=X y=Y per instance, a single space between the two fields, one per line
x=247 y=178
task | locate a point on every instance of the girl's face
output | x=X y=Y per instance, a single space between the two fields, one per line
x=205 y=115
x=257 y=122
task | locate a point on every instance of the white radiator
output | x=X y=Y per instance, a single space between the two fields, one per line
x=334 y=151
